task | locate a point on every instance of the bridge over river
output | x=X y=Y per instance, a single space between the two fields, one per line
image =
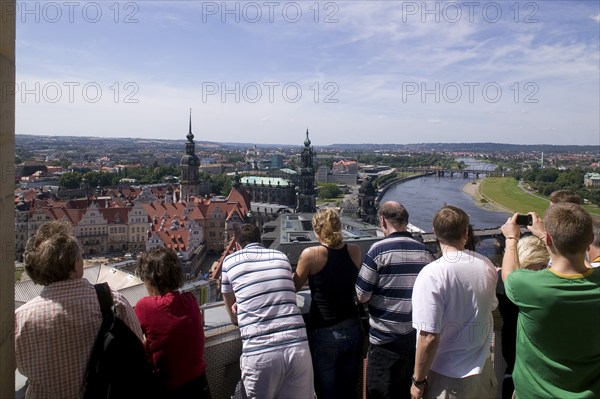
x=450 y=172
x=481 y=234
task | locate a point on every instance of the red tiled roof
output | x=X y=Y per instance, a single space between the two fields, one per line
x=72 y=215
x=177 y=240
x=235 y=210
x=241 y=197
x=110 y=214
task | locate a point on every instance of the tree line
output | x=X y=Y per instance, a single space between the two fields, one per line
x=219 y=183
x=547 y=180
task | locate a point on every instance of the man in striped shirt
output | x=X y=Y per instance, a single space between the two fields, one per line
x=260 y=297
x=386 y=281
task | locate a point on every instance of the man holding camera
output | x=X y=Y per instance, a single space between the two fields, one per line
x=559 y=308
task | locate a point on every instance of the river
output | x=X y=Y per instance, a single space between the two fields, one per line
x=424 y=196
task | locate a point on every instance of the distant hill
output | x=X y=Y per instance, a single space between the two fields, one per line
x=468 y=147
x=22 y=139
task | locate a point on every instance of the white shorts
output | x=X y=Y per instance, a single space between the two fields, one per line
x=284 y=373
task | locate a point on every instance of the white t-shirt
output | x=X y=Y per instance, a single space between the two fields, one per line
x=454 y=296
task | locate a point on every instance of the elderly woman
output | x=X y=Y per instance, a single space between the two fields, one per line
x=55 y=332
x=532 y=255
x=172 y=326
x=334 y=330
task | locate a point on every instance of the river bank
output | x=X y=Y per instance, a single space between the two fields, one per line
x=472 y=189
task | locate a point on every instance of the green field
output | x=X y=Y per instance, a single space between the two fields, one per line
x=337 y=201
x=506 y=192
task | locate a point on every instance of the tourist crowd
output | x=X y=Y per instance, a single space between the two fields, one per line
x=429 y=327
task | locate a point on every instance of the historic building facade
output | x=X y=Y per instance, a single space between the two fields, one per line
x=270 y=190
x=131 y=219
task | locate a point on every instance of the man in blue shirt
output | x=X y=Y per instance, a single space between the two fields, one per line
x=386 y=281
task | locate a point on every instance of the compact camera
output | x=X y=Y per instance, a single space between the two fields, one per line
x=524 y=220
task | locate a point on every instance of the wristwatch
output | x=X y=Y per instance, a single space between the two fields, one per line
x=418 y=384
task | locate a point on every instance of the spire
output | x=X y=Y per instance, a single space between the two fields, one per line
x=190 y=135
x=307 y=140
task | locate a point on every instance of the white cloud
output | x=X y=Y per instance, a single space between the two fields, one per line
x=369 y=59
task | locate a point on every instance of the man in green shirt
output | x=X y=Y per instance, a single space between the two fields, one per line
x=558 y=330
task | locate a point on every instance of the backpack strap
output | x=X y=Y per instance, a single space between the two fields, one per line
x=108 y=318
x=106 y=303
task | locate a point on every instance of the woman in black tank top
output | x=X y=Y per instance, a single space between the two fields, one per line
x=334 y=330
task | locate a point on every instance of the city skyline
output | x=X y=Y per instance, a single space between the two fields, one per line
x=352 y=72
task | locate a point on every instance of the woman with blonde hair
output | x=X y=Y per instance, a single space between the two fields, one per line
x=533 y=255
x=334 y=329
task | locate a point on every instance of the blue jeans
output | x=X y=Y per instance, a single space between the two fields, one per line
x=389 y=368
x=337 y=354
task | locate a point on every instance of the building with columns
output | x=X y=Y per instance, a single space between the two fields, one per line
x=270 y=190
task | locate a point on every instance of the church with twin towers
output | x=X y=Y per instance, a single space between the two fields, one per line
x=297 y=192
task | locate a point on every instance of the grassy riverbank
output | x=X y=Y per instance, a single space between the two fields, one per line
x=507 y=193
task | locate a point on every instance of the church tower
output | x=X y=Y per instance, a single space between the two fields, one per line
x=305 y=197
x=189 y=179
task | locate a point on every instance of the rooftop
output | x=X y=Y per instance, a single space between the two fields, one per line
x=265 y=181
x=291 y=233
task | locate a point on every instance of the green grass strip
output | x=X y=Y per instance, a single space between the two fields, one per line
x=506 y=192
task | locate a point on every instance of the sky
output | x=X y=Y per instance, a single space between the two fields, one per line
x=520 y=72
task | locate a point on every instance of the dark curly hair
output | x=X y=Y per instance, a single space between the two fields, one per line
x=248 y=234
x=160 y=269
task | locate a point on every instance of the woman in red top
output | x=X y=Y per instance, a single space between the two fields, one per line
x=172 y=326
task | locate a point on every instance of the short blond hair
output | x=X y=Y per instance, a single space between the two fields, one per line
x=570 y=227
x=532 y=252
x=327 y=224
x=450 y=224
x=51 y=253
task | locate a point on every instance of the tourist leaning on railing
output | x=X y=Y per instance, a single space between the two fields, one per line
x=389 y=264
x=275 y=359
x=334 y=328
x=172 y=325
x=453 y=299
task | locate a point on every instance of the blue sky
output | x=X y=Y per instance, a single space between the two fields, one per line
x=350 y=71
